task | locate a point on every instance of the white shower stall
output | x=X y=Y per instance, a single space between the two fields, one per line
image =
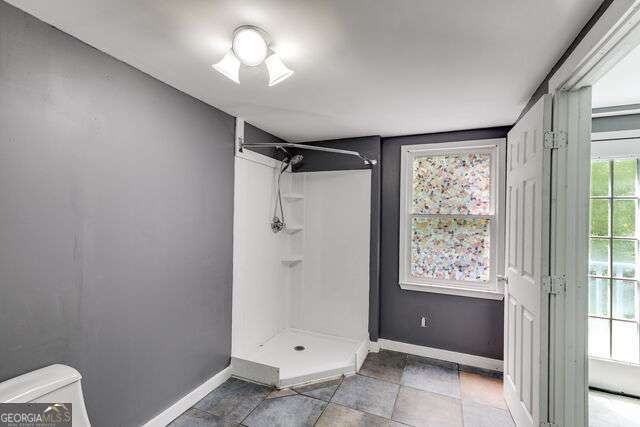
x=301 y=296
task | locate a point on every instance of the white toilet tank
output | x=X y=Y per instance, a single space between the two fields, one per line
x=53 y=384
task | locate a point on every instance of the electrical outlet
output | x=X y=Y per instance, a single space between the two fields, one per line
x=423 y=322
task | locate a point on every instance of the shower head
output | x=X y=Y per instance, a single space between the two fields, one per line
x=290 y=161
x=296 y=159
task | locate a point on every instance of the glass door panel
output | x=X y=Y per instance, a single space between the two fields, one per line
x=614 y=331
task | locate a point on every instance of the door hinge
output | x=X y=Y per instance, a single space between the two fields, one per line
x=555 y=139
x=554 y=285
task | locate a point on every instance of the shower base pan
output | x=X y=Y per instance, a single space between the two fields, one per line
x=295 y=357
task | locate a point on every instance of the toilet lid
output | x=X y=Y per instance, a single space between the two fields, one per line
x=32 y=385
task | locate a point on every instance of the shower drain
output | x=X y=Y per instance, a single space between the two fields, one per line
x=298 y=348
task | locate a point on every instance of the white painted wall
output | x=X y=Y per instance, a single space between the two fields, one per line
x=260 y=281
x=333 y=296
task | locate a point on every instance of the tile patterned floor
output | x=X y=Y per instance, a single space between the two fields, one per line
x=391 y=390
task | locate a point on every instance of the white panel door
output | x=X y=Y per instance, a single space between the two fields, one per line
x=527 y=251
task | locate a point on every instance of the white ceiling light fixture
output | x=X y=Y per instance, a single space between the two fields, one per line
x=229 y=66
x=250 y=48
x=277 y=70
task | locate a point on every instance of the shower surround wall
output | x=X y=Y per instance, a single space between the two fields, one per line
x=370 y=146
x=333 y=296
x=260 y=307
x=308 y=285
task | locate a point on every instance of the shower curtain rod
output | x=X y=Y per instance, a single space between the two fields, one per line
x=310 y=147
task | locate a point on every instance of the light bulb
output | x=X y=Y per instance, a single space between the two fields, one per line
x=249 y=46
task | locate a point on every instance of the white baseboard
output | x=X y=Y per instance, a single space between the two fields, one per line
x=374 y=346
x=436 y=353
x=361 y=353
x=190 y=399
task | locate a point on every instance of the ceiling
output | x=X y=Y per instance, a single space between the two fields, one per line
x=621 y=85
x=362 y=67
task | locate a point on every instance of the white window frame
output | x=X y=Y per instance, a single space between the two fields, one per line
x=612 y=146
x=493 y=289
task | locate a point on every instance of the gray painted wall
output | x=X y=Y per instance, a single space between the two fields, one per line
x=254 y=135
x=466 y=325
x=321 y=161
x=115 y=224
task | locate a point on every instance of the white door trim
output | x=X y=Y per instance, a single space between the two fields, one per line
x=568 y=378
x=608 y=41
x=614 y=35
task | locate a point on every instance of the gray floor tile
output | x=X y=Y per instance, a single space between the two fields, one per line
x=384 y=365
x=610 y=410
x=481 y=371
x=195 y=418
x=422 y=408
x=437 y=362
x=338 y=415
x=367 y=394
x=482 y=389
x=323 y=391
x=233 y=400
x=281 y=393
x=425 y=375
x=477 y=415
x=291 y=411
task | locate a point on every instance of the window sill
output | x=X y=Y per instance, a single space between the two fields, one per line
x=613 y=362
x=450 y=290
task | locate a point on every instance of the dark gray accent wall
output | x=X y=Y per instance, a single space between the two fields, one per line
x=543 y=88
x=254 y=135
x=466 y=325
x=613 y=123
x=116 y=212
x=322 y=161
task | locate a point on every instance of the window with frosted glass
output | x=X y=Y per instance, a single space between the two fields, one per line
x=450 y=249
x=452 y=184
x=613 y=260
x=451 y=217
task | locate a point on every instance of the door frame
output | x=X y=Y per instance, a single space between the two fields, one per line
x=569 y=251
x=611 y=38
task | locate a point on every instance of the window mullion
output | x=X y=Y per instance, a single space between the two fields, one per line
x=611 y=184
